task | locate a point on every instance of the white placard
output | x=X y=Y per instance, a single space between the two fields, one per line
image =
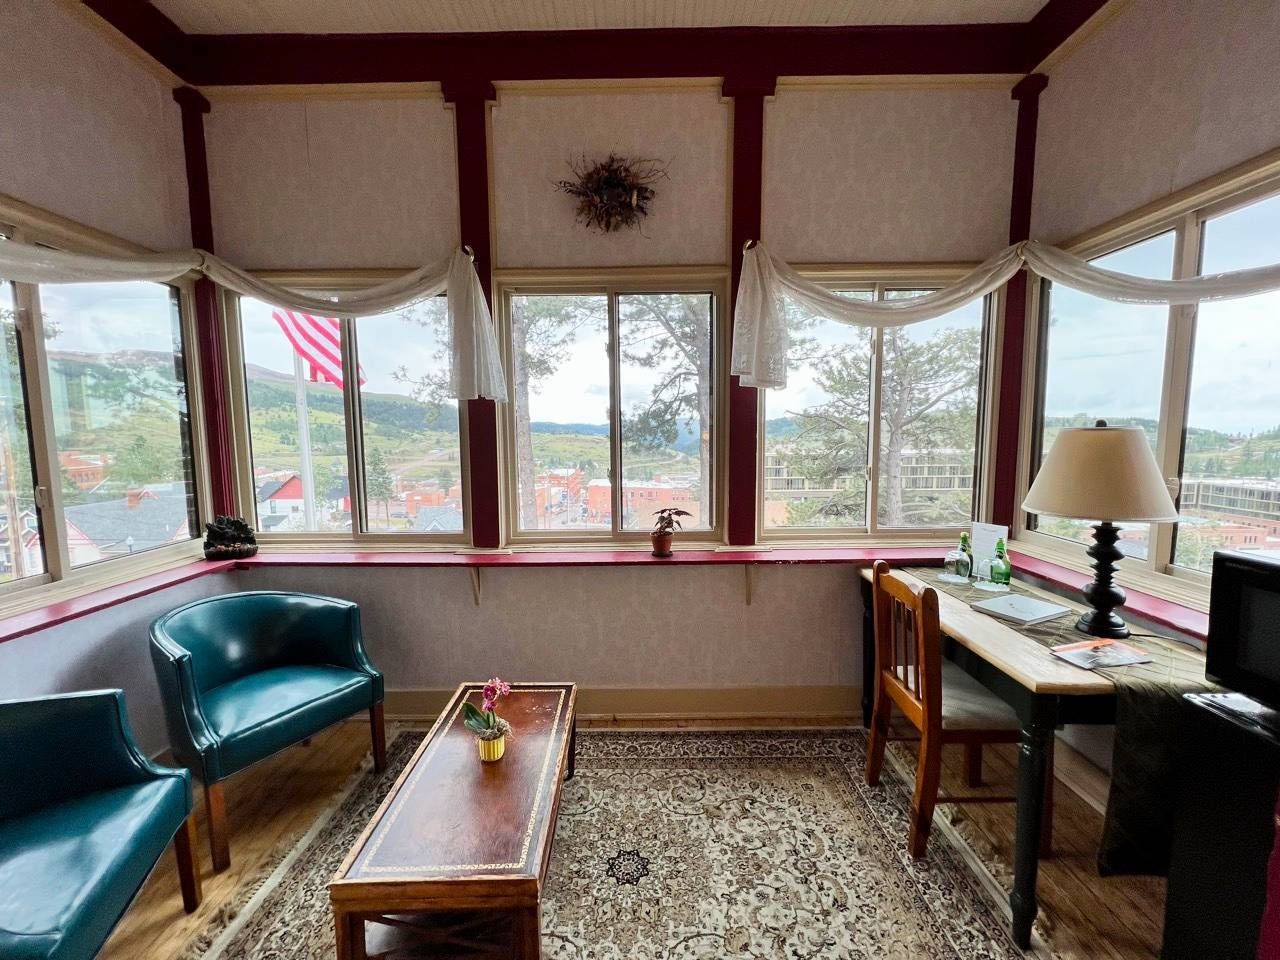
x=983 y=539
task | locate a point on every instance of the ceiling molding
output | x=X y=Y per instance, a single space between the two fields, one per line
x=325 y=91
x=1073 y=41
x=593 y=54
x=920 y=51
x=131 y=49
x=148 y=28
x=1055 y=24
x=970 y=81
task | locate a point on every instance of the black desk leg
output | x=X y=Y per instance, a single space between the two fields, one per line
x=868 y=654
x=1038 y=722
x=573 y=749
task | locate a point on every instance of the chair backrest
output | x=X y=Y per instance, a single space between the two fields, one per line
x=59 y=747
x=908 y=645
x=232 y=636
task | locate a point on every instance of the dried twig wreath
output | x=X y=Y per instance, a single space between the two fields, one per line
x=614 y=192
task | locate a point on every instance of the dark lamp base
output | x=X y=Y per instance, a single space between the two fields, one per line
x=1110 y=626
x=1103 y=594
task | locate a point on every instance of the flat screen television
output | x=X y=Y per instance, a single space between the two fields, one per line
x=1244 y=625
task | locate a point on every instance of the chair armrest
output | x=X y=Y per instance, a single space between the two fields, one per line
x=59 y=747
x=191 y=737
x=335 y=636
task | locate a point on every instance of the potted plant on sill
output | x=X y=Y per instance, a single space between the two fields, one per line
x=490 y=729
x=664 y=529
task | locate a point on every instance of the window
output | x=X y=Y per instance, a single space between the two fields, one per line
x=98 y=465
x=1230 y=492
x=409 y=426
x=21 y=555
x=920 y=417
x=1104 y=360
x=611 y=384
x=929 y=418
x=294 y=374
x=406 y=448
x=815 y=431
x=118 y=390
x=1202 y=381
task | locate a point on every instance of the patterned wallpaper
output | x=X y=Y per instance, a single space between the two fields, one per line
x=889 y=174
x=333 y=182
x=86 y=131
x=1168 y=93
x=534 y=137
x=424 y=631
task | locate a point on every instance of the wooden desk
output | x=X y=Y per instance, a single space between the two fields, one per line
x=459 y=844
x=1046 y=693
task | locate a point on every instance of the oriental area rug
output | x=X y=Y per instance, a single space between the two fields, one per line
x=683 y=845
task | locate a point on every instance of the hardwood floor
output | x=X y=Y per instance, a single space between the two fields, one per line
x=268 y=807
x=1089 y=918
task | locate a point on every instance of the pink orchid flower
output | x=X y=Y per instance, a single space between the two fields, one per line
x=494 y=689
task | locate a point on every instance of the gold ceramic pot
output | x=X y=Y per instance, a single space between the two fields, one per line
x=491 y=750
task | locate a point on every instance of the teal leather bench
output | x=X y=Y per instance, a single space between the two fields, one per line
x=245 y=675
x=84 y=817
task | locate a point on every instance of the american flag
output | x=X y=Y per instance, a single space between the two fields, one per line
x=318 y=341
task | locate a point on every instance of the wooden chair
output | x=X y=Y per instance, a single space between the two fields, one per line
x=937 y=697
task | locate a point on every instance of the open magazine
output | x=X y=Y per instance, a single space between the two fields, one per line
x=1092 y=654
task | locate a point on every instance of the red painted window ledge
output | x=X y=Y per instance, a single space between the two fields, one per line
x=1167 y=613
x=1153 y=608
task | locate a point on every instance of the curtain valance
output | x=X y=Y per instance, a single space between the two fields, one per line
x=476 y=369
x=761 y=338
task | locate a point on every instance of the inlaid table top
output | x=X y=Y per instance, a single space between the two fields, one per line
x=456 y=832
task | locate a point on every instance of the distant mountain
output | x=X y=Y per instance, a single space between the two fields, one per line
x=780 y=427
x=579 y=429
x=385 y=412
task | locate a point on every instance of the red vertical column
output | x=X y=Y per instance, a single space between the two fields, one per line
x=470 y=101
x=1005 y=479
x=211 y=344
x=744 y=402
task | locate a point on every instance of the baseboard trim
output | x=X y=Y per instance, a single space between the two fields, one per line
x=833 y=705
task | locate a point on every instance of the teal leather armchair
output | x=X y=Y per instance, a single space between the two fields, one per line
x=84 y=817
x=245 y=675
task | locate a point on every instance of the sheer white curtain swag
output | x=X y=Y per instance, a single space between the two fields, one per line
x=761 y=337
x=476 y=365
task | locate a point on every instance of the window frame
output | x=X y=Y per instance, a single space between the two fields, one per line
x=329 y=281
x=881 y=277
x=60 y=580
x=1185 y=214
x=612 y=283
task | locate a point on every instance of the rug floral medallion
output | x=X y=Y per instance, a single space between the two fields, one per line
x=688 y=846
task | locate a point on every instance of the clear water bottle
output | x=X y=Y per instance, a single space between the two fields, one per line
x=958 y=563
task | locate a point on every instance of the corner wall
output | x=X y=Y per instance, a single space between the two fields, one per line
x=631 y=630
x=109 y=648
x=86 y=131
x=602 y=627
x=1166 y=94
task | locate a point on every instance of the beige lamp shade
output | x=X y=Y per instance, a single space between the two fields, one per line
x=1100 y=473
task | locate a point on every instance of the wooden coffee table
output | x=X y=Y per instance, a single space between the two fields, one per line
x=458 y=851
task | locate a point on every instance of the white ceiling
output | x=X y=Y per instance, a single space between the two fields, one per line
x=432 y=16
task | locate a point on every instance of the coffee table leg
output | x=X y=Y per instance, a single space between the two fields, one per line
x=528 y=934
x=349 y=932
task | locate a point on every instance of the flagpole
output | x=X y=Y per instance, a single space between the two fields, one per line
x=304 y=444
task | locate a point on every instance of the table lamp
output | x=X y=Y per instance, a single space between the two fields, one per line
x=1103 y=474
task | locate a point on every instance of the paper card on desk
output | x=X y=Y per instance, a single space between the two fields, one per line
x=983 y=537
x=1021 y=610
x=1092 y=654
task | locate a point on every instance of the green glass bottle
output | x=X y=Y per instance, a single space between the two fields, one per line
x=1001 y=568
x=967 y=547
